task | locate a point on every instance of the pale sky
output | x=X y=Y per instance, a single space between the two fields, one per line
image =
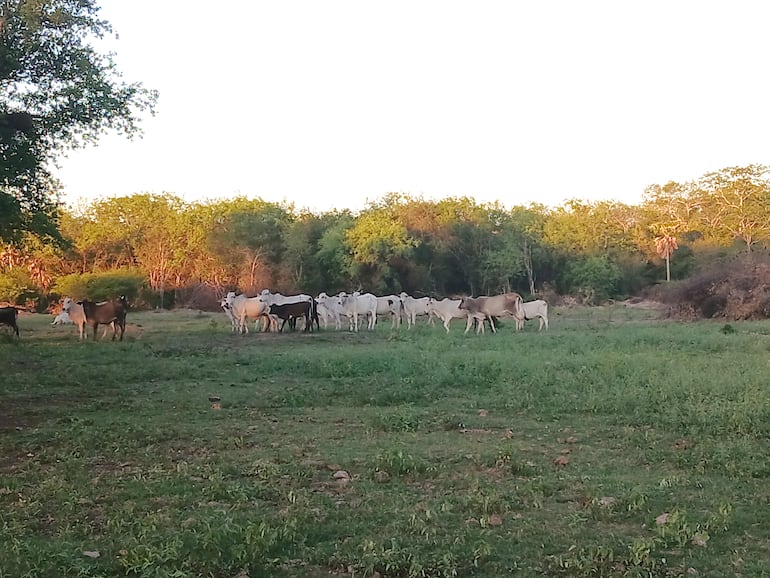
x=328 y=104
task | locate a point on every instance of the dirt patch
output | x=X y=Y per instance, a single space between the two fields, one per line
x=16 y=416
x=736 y=291
x=645 y=304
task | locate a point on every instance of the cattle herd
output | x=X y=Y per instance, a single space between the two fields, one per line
x=350 y=311
x=274 y=310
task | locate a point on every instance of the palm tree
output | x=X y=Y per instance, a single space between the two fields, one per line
x=665 y=245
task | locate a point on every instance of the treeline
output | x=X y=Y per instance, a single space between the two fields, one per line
x=163 y=251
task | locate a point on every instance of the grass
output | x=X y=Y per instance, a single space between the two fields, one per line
x=612 y=445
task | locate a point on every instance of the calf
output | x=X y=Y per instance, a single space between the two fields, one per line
x=291 y=311
x=8 y=317
x=269 y=298
x=106 y=313
x=62 y=318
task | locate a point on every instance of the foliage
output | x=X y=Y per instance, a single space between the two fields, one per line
x=595 y=278
x=450 y=247
x=58 y=92
x=101 y=286
x=16 y=286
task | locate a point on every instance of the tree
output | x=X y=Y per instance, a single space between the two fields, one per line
x=665 y=245
x=734 y=203
x=56 y=92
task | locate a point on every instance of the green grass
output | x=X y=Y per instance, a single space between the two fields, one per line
x=530 y=454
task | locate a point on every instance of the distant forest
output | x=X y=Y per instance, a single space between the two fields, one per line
x=164 y=252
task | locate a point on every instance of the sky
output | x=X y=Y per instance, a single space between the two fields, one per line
x=333 y=104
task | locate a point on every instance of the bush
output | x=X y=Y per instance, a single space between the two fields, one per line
x=595 y=277
x=16 y=286
x=101 y=286
x=736 y=290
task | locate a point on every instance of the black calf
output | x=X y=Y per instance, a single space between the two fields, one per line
x=289 y=312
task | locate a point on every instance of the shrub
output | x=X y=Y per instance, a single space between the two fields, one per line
x=596 y=277
x=101 y=286
x=16 y=286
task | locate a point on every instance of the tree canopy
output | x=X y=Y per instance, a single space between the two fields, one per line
x=57 y=91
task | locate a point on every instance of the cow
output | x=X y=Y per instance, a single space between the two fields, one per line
x=229 y=313
x=106 y=313
x=269 y=298
x=358 y=304
x=390 y=305
x=74 y=311
x=537 y=309
x=446 y=310
x=244 y=308
x=414 y=307
x=289 y=312
x=481 y=308
x=8 y=316
x=329 y=310
x=62 y=318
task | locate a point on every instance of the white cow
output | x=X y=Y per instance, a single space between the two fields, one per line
x=269 y=299
x=537 y=309
x=244 y=308
x=234 y=326
x=390 y=305
x=62 y=318
x=277 y=299
x=329 y=310
x=359 y=304
x=446 y=310
x=414 y=307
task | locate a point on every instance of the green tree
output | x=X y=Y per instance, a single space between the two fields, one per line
x=56 y=92
x=248 y=236
x=734 y=204
x=332 y=255
x=379 y=244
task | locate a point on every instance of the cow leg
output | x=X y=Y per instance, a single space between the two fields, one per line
x=469 y=324
x=243 y=324
x=491 y=324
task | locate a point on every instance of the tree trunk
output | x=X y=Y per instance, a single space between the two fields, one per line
x=528 y=267
x=668 y=268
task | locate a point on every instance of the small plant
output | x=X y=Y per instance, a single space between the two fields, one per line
x=727 y=329
x=398 y=463
x=399 y=422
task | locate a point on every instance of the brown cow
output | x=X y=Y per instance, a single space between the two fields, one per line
x=106 y=313
x=481 y=308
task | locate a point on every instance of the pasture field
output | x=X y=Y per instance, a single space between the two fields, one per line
x=612 y=445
